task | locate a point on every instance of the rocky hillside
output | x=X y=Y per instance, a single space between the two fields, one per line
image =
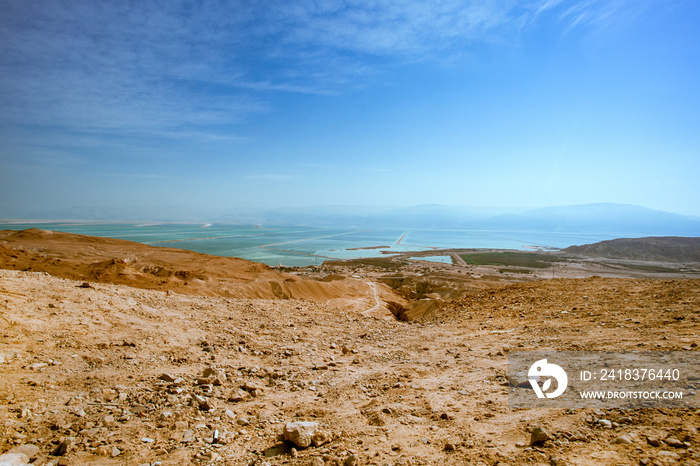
x=662 y=248
x=115 y=375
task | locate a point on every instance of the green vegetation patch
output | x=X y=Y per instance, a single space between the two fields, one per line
x=378 y=262
x=651 y=268
x=511 y=259
x=514 y=271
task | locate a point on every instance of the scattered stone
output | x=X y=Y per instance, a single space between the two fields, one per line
x=669 y=454
x=207 y=405
x=238 y=395
x=109 y=394
x=605 y=423
x=316 y=461
x=253 y=388
x=63 y=447
x=180 y=425
x=188 y=437
x=300 y=433
x=624 y=439
x=62 y=424
x=211 y=372
x=103 y=450
x=450 y=447
x=351 y=460
x=167 y=377
x=36 y=366
x=321 y=437
x=241 y=421
x=673 y=442
x=6 y=358
x=654 y=441
x=539 y=435
x=209 y=456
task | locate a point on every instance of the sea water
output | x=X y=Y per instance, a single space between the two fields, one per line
x=301 y=246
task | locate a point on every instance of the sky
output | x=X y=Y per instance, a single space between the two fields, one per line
x=247 y=104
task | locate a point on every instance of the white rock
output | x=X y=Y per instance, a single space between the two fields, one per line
x=13 y=459
x=300 y=433
x=32 y=451
x=625 y=439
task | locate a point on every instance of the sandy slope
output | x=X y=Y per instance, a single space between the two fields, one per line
x=106 y=260
x=85 y=364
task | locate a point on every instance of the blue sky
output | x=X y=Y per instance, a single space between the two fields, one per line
x=249 y=104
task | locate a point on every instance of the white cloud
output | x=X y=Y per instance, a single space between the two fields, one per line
x=180 y=68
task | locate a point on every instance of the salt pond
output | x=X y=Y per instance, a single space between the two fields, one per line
x=442 y=259
x=301 y=246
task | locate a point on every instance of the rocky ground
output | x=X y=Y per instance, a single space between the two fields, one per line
x=105 y=374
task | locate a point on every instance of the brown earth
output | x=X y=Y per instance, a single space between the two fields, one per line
x=106 y=260
x=661 y=248
x=122 y=375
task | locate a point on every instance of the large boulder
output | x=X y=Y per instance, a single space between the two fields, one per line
x=13 y=459
x=300 y=433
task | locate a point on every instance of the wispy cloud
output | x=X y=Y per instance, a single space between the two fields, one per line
x=192 y=70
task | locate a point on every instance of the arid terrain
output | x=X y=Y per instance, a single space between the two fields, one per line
x=114 y=353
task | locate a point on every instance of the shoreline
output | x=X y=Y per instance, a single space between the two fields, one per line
x=336 y=243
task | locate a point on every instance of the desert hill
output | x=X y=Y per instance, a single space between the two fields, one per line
x=115 y=375
x=130 y=373
x=106 y=260
x=661 y=248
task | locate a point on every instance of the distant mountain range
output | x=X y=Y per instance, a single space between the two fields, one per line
x=606 y=218
x=613 y=219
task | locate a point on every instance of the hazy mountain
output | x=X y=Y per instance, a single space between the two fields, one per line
x=613 y=219
x=439 y=216
x=593 y=218
x=602 y=218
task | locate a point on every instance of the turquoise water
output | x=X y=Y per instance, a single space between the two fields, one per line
x=442 y=259
x=301 y=246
